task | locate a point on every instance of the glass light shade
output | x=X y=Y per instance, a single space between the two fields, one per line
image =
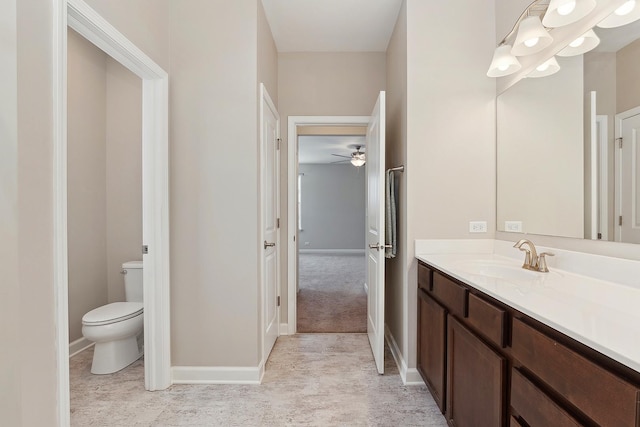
x=565 y=12
x=547 y=68
x=532 y=37
x=625 y=14
x=503 y=63
x=581 y=45
x=358 y=160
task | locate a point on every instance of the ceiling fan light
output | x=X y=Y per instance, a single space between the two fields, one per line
x=625 y=14
x=532 y=37
x=565 y=12
x=582 y=44
x=358 y=160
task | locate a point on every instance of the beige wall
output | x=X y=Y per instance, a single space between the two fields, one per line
x=540 y=148
x=10 y=361
x=450 y=166
x=267 y=56
x=104 y=177
x=600 y=76
x=627 y=82
x=323 y=84
x=214 y=184
x=396 y=154
x=86 y=179
x=123 y=174
x=147 y=23
x=35 y=319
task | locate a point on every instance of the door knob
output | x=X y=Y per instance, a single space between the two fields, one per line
x=268 y=245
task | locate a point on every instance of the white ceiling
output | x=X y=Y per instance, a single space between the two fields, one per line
x=332 y=25
x=319 y=148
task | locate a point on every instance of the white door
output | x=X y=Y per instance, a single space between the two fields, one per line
x=629 y=190
x=269 y=141
x=375 y=231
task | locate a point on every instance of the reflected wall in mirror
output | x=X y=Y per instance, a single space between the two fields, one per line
x=561 y=171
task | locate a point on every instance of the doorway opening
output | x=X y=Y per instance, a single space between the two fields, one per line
x=77 y=15
x=316 y=128
x=331 y=193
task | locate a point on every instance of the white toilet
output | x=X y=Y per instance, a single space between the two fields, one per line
x=117 y=327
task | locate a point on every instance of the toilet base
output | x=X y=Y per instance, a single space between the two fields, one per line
x=112 y=356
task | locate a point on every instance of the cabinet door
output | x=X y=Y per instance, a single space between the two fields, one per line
x=475 y=380
x=432 y=318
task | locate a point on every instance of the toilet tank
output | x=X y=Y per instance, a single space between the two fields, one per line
x=133 y=281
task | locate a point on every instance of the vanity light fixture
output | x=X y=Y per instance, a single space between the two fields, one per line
x=503 y=63
x=625 y=14
x=582 y=44
x=532 y=37
x=565 y=12
x=547 y=68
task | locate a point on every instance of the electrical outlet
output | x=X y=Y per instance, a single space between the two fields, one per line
x=513 y=226
x=477 y=226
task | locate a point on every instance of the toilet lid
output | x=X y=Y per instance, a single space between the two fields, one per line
x=112 y=313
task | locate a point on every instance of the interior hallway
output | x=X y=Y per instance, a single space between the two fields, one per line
x=311 y=379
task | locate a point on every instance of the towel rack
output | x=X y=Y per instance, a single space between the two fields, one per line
x=396 y=169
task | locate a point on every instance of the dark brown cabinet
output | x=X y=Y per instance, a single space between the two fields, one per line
x=487 y=364
x=432 y=319
x=475 y=379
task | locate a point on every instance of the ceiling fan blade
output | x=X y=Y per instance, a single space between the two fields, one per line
x=340 y=161
x=340 y=155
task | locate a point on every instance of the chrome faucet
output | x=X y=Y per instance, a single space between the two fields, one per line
x=533 y=261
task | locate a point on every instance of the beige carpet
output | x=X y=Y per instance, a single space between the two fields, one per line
x=332 y=296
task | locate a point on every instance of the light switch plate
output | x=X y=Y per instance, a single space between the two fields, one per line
x=477 y=226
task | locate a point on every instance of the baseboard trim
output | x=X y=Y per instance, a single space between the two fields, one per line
x=409 y=376
x=78 y=346
x=216 y=375
x=284 y=329
x=333 y=251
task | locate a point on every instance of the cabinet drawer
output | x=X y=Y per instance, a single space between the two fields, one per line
x=424 y=277
x=487 y=318
x=605 y=398
x=450 y=294
x=535 y=407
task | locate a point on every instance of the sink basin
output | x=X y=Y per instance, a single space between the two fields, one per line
x=499 y=270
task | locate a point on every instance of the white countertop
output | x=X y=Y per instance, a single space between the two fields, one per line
x=602 y=314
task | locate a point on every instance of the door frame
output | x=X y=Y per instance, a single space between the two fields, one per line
x=602 y=170
x=620 y=117
x=292 y=194
x=266 y=101
x=76 y=14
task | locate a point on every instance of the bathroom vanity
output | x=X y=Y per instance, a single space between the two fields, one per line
x=502 y=346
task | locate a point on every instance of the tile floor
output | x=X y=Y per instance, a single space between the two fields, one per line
x=310 y=380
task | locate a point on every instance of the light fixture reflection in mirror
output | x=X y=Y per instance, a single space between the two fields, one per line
x=625 y=14
x=545 y=69
x=583 y=44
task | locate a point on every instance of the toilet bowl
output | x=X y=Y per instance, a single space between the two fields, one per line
x=116 y=328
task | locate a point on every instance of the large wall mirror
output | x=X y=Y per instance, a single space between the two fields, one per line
x=561 y=169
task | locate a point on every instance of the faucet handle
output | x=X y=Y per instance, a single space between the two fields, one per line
x=527 y=258
x=542 y=261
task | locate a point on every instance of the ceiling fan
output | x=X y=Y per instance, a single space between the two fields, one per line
x=357 y=158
